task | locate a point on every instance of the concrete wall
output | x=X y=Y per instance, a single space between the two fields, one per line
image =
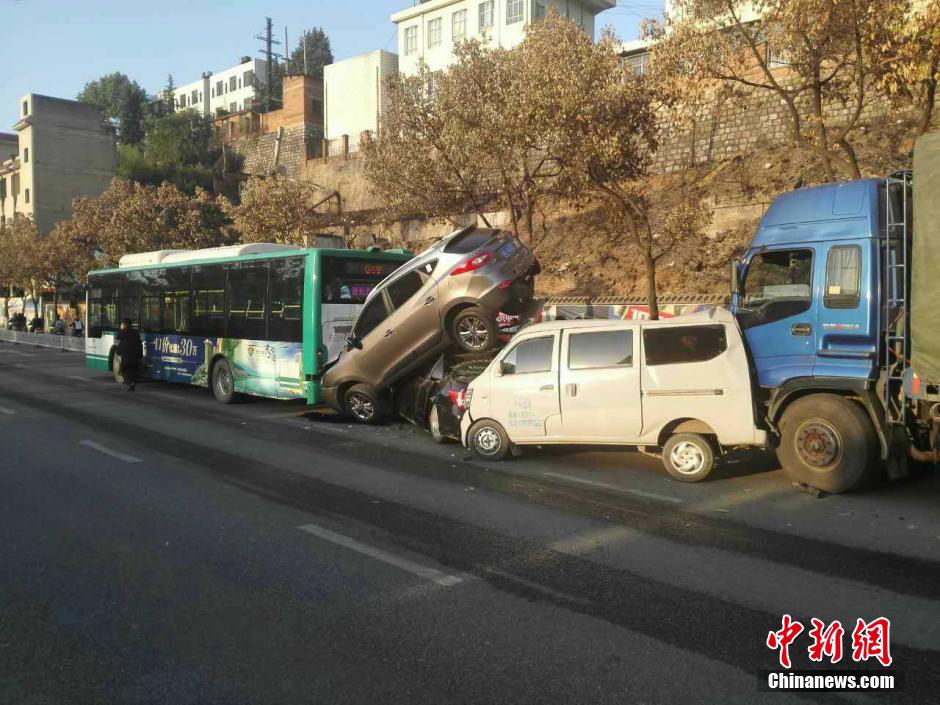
x=354 y=93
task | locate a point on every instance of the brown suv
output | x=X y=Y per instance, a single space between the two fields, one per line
x=450 y=294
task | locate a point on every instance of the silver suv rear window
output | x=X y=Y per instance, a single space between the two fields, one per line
x=467 y=242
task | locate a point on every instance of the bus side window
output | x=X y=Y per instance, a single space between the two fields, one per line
x=247 y=299
x=209 y=300
x=176 y=301
x=285 y=300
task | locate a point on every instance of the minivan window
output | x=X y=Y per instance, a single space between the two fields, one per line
x=843 y=266
x=600 y=349
x=533 y=355
x=406 y=286
x=470 y=240
x=372 y=314
x=671 y=345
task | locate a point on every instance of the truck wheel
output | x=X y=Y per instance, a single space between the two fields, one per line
x=688 y=457
x=364 y=405
x=473 y=330
x=827 y=442
x=488 y=440
x=116 y=368
x=223 y=383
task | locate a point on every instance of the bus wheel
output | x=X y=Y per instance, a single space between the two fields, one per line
x=116 y=368
x=363 y=404
x=688 y=457
x=223 y=383
x=827 y=442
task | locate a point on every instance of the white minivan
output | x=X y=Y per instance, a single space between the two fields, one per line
x=682 y=384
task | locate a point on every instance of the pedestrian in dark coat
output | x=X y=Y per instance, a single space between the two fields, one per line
x=130 y=349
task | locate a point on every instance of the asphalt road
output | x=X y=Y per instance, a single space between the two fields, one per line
x=158 y=547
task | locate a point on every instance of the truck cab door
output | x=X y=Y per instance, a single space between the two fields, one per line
x=523 y=389
x=777 y=313
x=847 y=319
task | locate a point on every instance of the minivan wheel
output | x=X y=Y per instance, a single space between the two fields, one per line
x=688 y=457
x=223 y=382
x=488 y=440
x=473 y=330
x=362 y=404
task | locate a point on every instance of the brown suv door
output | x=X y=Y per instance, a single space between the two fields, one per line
x=414 y=325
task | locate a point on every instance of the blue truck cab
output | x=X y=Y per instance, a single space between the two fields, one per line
x=814 y=295
x=809 y=297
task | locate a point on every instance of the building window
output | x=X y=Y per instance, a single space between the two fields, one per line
x=194 y=97
x=212 y=93
x=232 y=83
x=25 y=155
x=26 y=195
x=638 y=63
x=183 y=100
x=513 y=11
x=458 y=26
x=249 y=78
x=219 y=87
x=485 y=14
x=233 y=107
x=434 y=32
x=411 y=40
x=25 y=108
x=539 y=11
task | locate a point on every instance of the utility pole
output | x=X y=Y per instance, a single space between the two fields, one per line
x=270 y=57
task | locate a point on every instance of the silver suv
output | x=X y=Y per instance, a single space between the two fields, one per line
x=450 y=294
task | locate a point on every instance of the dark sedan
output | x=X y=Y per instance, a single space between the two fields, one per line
x=434 y=399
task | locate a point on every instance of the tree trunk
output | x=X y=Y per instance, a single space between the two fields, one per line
x=651 y=286
x=822 y=136
x=926 y=113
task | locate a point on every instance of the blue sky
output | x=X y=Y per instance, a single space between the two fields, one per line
x=54 y=47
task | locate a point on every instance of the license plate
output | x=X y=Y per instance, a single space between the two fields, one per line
x=507 y=249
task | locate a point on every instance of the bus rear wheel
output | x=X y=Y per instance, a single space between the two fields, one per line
x=223 y=382
x=827 y=442
x=116 y=368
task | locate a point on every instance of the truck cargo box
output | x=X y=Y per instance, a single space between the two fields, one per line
x=925 y=257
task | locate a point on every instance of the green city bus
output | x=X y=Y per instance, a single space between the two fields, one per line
x=258 y=319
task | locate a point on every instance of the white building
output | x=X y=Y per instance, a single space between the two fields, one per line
x=354 y=94
x=429 y=31
x=237 y=88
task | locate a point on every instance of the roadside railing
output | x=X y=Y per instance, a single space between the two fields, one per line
x=44 y=340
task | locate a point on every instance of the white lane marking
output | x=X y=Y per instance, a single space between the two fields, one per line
x=80 y=379
x=614 y=488
x=107 y=451
x=8 y=412
x=16 y=353
x=380 y=555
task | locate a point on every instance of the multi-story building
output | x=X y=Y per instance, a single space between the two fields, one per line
x=354 y=94
x=431 y=30
x=234 y=89
x=62 y=149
